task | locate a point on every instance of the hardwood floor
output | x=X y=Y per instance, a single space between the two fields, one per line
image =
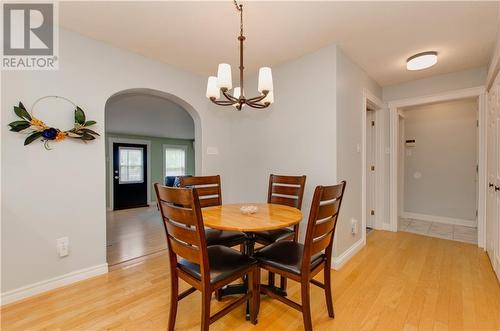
x=133 y=233
x=399 y=281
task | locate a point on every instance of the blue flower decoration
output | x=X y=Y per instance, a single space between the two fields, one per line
x=49 y=133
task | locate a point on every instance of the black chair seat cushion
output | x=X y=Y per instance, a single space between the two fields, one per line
x=224 y=262
x=286 y=255
x=226 y=238
x=273 y=235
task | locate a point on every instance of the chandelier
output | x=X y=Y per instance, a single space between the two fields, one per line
x=223 y=82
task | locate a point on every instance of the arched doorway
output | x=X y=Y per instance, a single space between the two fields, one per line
x=150 y=136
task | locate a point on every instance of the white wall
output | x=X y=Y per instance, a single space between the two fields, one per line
x=440 y=171
x=351 y=81
x=50 y=194
x=148 y=115
x=296 y=136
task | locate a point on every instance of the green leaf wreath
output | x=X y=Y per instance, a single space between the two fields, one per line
x=37 y=129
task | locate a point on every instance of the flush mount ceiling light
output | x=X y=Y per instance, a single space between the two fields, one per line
x=223 y=82
x=421 y=61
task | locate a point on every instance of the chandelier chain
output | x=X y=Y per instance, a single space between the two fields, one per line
x=239 y=7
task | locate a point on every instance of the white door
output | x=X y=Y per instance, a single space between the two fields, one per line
x=370 y=171
x=491 y=162
x=497 y=177
x=493 y=174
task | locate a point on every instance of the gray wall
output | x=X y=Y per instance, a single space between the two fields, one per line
x=351 y=80
x=440 y=171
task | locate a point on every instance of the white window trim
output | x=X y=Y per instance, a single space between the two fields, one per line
x=113 y=140
x=119 y=166
x=171 y=146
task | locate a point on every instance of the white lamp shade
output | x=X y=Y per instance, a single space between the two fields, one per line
x=269 y=98
x=265 y=79
x=224 y=79
x=212 y=90
x=237 y=92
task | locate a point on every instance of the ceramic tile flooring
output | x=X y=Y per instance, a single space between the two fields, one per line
x=439 y=230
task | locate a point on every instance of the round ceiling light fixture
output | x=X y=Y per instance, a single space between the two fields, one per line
x=421 y=61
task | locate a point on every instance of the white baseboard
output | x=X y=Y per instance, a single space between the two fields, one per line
x=339 y=261
x=440 y=219
x=52 y=283
x=386 y=227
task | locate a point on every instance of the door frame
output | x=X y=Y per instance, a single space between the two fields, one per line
x=378 y=105
x=111 y=141
x=478 y=92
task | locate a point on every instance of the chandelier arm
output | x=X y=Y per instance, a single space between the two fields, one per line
x=258 y=105
x=259 y=98
x=230 y=97
x=222 y=102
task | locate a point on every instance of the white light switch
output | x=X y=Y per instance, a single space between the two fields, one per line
x=62 y=245
x=212 y=150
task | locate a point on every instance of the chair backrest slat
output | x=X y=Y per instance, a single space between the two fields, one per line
x=209 y=202
x=177 y=213
x=321 y=243
x=188 y=252
x=286 y=190
x=173 y=197
x=322 y=222
x=328 y=210
x=208 y=189
x=183 y=222
x=182 y=233
x=323 y=228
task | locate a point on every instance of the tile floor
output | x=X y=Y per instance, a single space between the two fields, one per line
x=439 y=230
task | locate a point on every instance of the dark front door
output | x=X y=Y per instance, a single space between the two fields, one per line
x=130 y=189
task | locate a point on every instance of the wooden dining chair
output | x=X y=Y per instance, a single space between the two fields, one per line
x=301 y=262
x=288 y=191
x=204 y=268
x=210 y=194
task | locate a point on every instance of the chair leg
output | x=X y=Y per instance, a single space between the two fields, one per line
x=328 y=291
x=205 y=310
x=283 y=282
x=306 y=305
x=270 y=280
x=174 y=300
x=254 y=284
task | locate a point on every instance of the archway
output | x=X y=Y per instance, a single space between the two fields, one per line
x=150 y=136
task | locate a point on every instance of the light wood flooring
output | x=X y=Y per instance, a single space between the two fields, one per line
x=132 y=233
x=399 y=281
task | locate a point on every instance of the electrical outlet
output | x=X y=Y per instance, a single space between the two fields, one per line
x=62 y=245
x=354 y=226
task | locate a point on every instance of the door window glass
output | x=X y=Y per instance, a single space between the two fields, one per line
x=131 y=165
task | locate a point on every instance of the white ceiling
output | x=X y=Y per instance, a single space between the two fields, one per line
x=148 y=115
x=379 y=36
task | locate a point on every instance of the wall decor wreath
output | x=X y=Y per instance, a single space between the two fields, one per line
x=37 y=129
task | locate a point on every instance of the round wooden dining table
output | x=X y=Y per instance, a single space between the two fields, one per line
x=267 y=217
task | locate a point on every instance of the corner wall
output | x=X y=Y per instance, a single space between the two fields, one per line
x=351 y=81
